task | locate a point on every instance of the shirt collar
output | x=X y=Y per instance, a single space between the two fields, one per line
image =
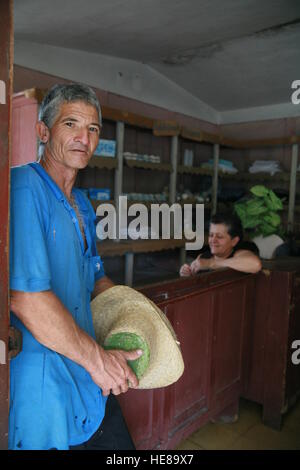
x=51 y=183
x=58 y=193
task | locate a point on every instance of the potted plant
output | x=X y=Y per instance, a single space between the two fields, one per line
x=260 y=219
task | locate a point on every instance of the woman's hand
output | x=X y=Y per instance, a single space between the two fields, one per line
x=202 y=264
x=185 y=270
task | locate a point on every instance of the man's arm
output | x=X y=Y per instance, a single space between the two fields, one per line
x=101 y=285
x=53 y=326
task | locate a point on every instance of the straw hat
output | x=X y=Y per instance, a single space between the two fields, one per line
x=125 y=319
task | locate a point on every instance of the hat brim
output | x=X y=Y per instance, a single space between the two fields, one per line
x=123 y=309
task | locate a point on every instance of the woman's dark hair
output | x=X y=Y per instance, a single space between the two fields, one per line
x=232 y=222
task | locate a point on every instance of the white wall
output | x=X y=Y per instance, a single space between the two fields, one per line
x=124 y=77
x=137 y=81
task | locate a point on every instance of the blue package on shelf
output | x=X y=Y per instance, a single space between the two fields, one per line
x=106 y=148
x=100 y=194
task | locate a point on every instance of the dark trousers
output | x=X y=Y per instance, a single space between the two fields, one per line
x=112 y=433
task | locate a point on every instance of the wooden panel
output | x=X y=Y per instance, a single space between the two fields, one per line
x=191 y=391
x=276 y=349
x=166 y=128
x=6 y=46
x=142 y=410
x=293 y=370
x=210 y=314
x=228 y=339
x=254 y=390
x=24 y=140
x=273 y=380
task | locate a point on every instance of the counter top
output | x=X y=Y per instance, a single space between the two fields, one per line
x=288 y=263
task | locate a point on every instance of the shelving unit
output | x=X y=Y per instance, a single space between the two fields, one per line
x=119 y=173
x=102 y=162
x=148 y=165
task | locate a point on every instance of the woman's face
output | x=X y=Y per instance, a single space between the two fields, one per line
x=220 y=242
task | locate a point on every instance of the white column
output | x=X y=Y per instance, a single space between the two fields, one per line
x=293 y=183
x=173 y=176
x=214 y=198
x=119 y=170
x=129 y=257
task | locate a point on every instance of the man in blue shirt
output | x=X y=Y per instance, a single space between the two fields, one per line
x=61 y=379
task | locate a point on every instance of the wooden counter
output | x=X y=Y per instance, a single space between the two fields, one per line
x=274 y=381
x=236 y=332
x=211 y=315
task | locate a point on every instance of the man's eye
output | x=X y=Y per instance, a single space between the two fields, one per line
x=94 y=129
x=69 y=124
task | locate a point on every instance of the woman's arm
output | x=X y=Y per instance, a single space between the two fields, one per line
x=243 y=260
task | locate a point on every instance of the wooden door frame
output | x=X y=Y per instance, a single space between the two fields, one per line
x=6 y=78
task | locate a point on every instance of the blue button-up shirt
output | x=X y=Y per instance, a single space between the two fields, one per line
x=53 y=401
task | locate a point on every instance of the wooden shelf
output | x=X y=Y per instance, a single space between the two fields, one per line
x=95 y=203
x=169 y=128
x=241 y=176
x=108 y=163
x=192 y=170
x=148 y=165
x=121 y=247
x=259 y=177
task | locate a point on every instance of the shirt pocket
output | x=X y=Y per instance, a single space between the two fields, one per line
x=93 y=266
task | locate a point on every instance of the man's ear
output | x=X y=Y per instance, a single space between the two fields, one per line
x=42 y=131
x=235 y=241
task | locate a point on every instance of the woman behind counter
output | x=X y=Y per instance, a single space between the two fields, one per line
x=226 y=248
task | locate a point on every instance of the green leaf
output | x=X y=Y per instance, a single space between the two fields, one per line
x=272 y=219
x=259 y=190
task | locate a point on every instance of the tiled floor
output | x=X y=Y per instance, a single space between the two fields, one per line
x=248 y=432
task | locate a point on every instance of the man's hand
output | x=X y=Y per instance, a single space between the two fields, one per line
x=115 y=374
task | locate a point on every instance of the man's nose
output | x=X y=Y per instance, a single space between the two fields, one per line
x=82 y=136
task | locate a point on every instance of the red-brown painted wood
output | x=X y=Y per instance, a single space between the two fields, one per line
x=6 y=41
x=210 y=315
x=274 y=381
x=24 y=140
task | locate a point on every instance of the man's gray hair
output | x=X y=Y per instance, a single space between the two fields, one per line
x=59 y=94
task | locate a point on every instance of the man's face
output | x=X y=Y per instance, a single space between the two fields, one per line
x=74 y=135
x=220 y=242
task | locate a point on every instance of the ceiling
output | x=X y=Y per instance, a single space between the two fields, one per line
x=230 y=54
